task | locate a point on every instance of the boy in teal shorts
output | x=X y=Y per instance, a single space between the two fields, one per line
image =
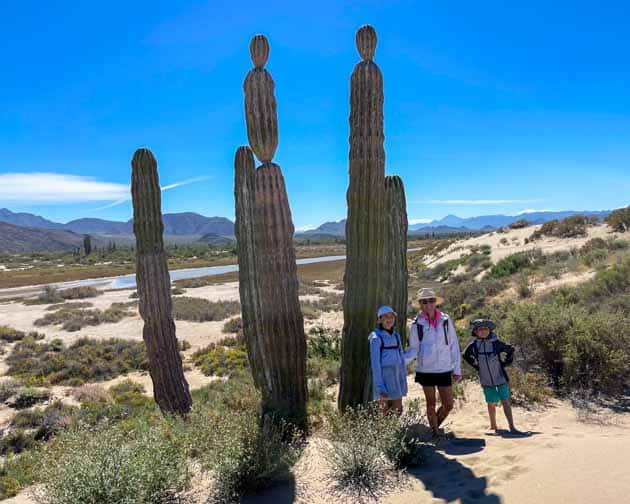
x=489 y=356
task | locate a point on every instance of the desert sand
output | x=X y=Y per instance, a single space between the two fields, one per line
x=563 y=459
x=516 y=243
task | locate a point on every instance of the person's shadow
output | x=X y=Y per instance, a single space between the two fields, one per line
x=449 y=479
x=282 y=491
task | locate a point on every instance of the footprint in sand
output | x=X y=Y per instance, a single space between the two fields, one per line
x=513 y=472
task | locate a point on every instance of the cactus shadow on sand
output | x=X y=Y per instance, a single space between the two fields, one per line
x=282 y=492
x=450 y=480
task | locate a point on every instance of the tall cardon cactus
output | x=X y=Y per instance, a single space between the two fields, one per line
x=170 y=388
x=376 y=228
x=272 y=319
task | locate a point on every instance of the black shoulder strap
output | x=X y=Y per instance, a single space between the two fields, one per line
x=445 y=325
x=420 y=330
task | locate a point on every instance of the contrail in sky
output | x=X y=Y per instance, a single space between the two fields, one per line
x=163 y=188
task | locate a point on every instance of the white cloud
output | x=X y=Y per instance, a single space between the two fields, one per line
x=58 y=188
x=45 y=187
x=307 y=227
x=420 y=221
x=475 y=202
x=532 y=210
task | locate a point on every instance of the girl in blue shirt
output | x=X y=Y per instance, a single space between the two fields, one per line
x=389 y=375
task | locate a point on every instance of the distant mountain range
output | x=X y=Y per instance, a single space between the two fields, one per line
x=27 y=232
x=488 y=222
x=16 y=239
x=187 y=223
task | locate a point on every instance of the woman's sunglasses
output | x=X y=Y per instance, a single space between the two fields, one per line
x=428 y=301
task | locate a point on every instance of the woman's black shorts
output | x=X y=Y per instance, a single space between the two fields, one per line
x=435 y=379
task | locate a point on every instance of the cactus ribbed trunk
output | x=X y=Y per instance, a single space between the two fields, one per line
x=170 y=388
x=245 y=226
x=272 y=318
x=376 y=236
x=396 y=251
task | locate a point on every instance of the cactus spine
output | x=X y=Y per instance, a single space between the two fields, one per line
x=376 y=229
x=170 y=388
x=272 y=318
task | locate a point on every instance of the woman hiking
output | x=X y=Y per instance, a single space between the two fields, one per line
x=433 y=344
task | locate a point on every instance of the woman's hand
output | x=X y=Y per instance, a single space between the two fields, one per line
x=457 y=378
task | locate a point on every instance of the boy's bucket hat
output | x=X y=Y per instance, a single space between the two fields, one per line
x=384 y=310
x=426 y=293
x=476 y=324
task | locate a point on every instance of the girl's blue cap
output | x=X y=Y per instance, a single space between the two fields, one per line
x=383 y=310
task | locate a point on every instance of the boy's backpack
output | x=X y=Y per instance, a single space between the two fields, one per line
x=421 y=330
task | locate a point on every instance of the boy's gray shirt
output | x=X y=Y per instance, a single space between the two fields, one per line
x=481 y=355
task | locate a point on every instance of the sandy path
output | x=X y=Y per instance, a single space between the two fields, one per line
x=563 y=460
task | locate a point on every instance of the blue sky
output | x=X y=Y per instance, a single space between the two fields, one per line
x=488 y=108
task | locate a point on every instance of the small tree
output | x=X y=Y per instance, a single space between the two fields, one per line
x=619 y=220
x=87 y=245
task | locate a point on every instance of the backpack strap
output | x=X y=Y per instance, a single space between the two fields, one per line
x=420 y=329
x=445 y=326
x=390 y=347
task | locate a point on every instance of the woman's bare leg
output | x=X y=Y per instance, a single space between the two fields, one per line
x=429 y=395
x=446 y=403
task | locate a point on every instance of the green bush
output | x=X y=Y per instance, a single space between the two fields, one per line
x=16 y=441
x=571 y=227
x=243 y=458
x=113 y=466
x=510 y=265
x=72 y=319
x=324 y=344
x=355 y=455
x=53 y=295
x=216 y=360
x=85 y=360
x=520 y=224
x=202 y=310
x=11 y=335
x=7 y=389
x=528 y=389
x=27 y=397
x=619 y=220
x=234 y=325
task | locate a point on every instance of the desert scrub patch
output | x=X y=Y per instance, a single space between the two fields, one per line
x=113 y=466
x=74 y=320
x=215 y=360
x=11 y=335
x=85 y=360
x=27 y=397
x=53 y=295
x=366 y=447
x=511 y=264
x=529 y=388
x=45 y=423
x=571 y=227
x=243 y=458
x=202 y=310
x=234 y=325
x=76 y=305
x=90 y=392
x=8 y=388
x=619 y=220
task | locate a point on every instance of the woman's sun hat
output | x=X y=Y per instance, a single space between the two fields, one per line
x=426 y=293
x=478 y=323
x=384 y=310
